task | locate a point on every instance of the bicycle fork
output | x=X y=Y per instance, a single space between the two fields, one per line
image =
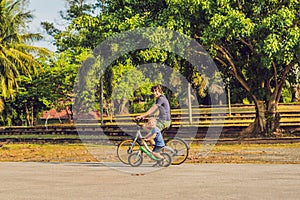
x=130 y=148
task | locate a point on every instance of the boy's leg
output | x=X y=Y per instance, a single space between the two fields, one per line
x=156 y=153
x=152 y=144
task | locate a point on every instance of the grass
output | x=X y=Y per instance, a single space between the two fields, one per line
x=248 y=153
x=234 y=153
x=37 y=136
x=45 y=153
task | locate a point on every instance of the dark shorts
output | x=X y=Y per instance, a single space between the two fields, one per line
x=163 y=124
x=157 y=148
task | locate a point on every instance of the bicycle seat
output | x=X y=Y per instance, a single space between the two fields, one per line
x=165 y=129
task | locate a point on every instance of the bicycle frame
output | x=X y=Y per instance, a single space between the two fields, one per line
x=137 y=146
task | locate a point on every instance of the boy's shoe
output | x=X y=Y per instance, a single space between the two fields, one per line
x=162 y=161
x=159 y=163
x=156 y=164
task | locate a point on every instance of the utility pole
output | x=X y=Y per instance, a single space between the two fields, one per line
x=101 y=97
x=190 y=104
x=228 y=96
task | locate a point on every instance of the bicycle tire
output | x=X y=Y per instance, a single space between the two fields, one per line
x=181 y=150
x=122 y=150
x=135 y=159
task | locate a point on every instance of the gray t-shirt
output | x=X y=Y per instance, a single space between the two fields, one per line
x=164 y=108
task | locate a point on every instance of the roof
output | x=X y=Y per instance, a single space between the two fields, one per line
x=53 y=114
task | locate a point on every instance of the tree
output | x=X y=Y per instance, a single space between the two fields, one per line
x=51 y=88
x=257 y=43
x=16 y=53
x=74 y=44
x=27 y=103
x=81 y=27
x=87 y=29
x=59 y=77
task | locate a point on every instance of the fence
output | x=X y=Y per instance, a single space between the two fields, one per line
x=202 y=118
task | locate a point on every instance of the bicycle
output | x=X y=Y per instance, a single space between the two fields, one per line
x=136 y=159
x=176 y=147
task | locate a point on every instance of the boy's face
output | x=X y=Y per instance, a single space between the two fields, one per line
x=156 y=94
x=152 y=123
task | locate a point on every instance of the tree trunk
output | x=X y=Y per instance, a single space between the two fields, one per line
x=266 y=121
x=32 y=116
x=70 y=115
x=295 y=94
x=258 y=127
x=273 y=117
x=121 y=107
x=260 y=117
x=27 y=115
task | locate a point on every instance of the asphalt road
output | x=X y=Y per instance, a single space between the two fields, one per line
x=86 y=181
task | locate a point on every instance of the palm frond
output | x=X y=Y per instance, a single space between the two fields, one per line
x=1 y=105
x=17 y=56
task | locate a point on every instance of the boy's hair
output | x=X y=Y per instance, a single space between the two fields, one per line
x=152 y=119
x=156 y=88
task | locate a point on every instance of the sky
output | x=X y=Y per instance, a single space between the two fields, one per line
x=45 y=10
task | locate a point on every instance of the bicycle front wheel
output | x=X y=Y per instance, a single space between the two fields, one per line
x=125 y=149
x=180 y=150
x=135 y=159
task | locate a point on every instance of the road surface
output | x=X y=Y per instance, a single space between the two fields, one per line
x=64 y=181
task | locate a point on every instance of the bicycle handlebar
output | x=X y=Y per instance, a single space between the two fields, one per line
x=138 y=120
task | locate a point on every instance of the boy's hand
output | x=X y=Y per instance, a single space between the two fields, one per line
x=139 y=117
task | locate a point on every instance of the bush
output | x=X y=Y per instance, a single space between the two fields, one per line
x=137 y=108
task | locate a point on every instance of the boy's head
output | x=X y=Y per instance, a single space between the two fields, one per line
x=156 y=90
x=152 y=122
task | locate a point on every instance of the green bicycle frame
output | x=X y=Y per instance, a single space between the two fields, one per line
x=148 y=153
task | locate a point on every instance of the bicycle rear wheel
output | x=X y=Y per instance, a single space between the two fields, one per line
x=180 y=150
x=167 y=161
x=124 y=150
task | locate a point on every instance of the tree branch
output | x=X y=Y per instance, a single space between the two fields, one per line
x=248 y=44
x=284 y=76
x=239 y=4
x=221 y=61
x=233 y=69
x=275 y=73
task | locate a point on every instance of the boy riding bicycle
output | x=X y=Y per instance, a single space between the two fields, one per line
x=155 y=137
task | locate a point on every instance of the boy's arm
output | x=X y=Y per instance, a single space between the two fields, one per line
x=150 y=136
x=152 y=110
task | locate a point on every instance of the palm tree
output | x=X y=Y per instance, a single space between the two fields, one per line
x=17 y=55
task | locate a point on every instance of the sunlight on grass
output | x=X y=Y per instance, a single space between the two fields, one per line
x=230 y=153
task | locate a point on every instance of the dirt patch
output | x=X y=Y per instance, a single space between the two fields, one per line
x=231 y=153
